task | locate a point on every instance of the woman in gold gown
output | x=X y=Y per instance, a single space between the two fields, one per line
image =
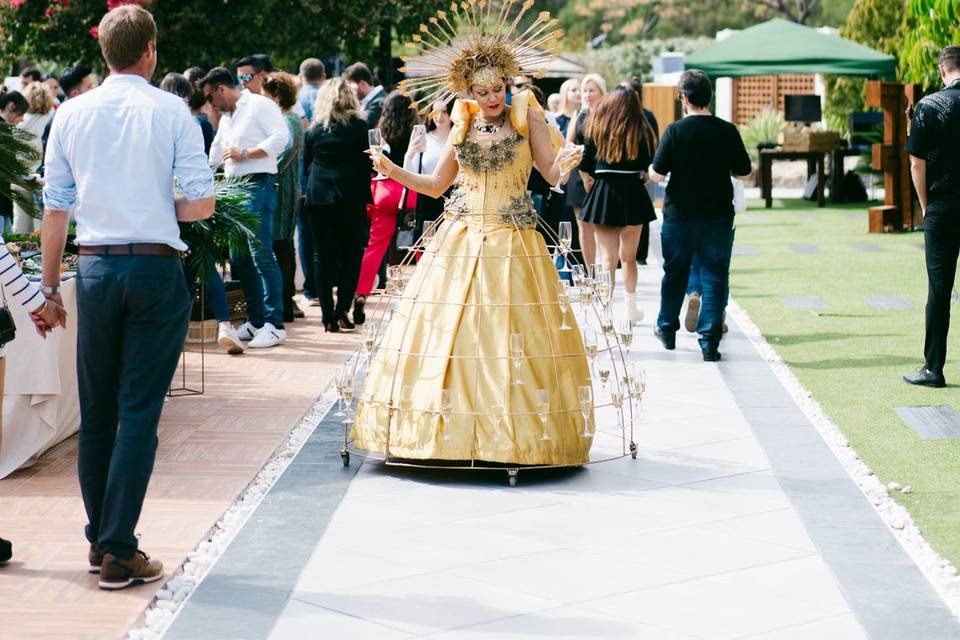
x=443 y=383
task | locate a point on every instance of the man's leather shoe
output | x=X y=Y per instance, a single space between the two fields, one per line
x=669 y=341
x=117 y=573
x=926 y=378
x=710 y=354
x=95 y=557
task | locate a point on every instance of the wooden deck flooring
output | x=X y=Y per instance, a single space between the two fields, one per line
x=211 y=446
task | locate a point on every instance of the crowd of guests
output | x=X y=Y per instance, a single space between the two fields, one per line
x=300 y=141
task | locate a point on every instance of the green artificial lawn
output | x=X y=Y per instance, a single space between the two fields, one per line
x=851 y=356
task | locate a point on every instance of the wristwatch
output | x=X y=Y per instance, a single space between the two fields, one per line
x=50 y=290
x=243 y=154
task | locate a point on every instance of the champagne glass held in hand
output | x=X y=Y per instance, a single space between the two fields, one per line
x=375 y=137
x=564 y=158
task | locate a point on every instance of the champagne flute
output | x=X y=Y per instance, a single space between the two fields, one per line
x=369 y=339
x=579 y=275
x=499 y=411
x=446 y=410
x=543 y=410
x=585 y=399
x=565 y=237
x=616 y=396
x=395 y=279
x=625 y=334
x=590 y=346
x=604 y=376
x=604 y=288
x=339 y=381
x=606 y=322
x=516 y=355
x=567 y=152
x=563 y=299
x=406 y=398
x=345 y=389
x=375 y=138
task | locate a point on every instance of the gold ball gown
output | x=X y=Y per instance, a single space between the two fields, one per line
x=486 y=274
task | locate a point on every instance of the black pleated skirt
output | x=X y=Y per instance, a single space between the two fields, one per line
x=618 y=200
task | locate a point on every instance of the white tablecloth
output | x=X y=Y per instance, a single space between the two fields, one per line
x=41 y=407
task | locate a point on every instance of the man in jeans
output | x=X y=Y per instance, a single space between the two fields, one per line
x=934 y=149
x=252 y=134
x=700 y=152
x=112 y=158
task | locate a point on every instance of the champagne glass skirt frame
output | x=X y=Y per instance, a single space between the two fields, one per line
x=473 y=423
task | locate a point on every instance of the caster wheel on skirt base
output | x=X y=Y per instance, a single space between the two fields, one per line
x=512 y=476
x=345 y=456
x=633 y=450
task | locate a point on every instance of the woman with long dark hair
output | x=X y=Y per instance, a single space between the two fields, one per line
x=396 y=124
x=618 y=146
x=338 y=190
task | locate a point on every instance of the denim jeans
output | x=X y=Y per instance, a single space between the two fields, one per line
x=258 y=271
x=216 y=293
x=307 y=249
x=712 y=242
x=693 y=284
x=132 y=317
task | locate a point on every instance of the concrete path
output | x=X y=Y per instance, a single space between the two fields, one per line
x=736 y=522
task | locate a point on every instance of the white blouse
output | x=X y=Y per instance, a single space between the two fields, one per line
x=431 y=156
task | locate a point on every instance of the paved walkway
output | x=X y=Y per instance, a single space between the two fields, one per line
x=211 y=447
x=736 y=522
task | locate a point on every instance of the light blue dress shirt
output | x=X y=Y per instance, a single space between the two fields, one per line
x=112 y=157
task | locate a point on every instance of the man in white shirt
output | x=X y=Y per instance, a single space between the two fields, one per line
x=251 y=135
x=112 y=159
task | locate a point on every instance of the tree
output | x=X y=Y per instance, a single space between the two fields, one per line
x=796 y=10
x=929 y=25
x=873 y=23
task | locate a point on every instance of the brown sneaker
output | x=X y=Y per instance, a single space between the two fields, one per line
x=120 y=574
x=95 y=556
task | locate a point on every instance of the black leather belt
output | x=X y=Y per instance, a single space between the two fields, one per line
x=133 y=249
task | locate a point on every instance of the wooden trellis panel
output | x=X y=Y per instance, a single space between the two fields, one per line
x=753 y=94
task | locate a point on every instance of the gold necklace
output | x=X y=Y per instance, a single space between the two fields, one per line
x=490 y=128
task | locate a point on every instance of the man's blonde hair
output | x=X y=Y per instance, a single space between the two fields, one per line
x=124 y=34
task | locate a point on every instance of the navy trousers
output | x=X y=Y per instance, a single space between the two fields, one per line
x=711 y=241
x=132 y=318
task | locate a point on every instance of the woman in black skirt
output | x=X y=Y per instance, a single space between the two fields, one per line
x=618 y=146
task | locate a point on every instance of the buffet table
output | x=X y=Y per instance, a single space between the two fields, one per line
x=41 y=407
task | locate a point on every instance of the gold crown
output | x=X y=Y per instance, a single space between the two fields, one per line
x=476 y=43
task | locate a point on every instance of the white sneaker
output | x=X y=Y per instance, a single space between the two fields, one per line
x=267 y=336
x=246 y=331
x=227 y=338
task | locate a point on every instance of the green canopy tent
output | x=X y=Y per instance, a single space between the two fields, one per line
x=780 y=47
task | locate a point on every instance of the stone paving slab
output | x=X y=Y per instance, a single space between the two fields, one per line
x=868 y=248
x=805 y=249
x=888 y=302
x=803 y=303
x=745 y=250
x=932 y=423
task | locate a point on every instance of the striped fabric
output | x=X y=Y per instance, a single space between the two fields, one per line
x=15 y=284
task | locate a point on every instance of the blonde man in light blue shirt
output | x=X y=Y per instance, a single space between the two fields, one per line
x=111 y=159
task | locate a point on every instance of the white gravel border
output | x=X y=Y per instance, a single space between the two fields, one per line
x=938 y=570
x=168 y=602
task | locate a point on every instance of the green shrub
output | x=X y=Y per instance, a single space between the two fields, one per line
x=764 y=128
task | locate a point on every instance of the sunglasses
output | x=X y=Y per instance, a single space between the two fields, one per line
x=245 y=77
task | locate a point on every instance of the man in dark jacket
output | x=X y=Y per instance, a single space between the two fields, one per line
x=370 y=93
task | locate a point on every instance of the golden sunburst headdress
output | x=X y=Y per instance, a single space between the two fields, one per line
x=476 y=42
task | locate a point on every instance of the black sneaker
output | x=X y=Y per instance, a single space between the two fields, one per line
x=926 y=378
x=669 y=341
x=6 y=551
x=710 y=354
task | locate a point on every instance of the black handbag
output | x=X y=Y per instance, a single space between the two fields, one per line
x=8 y=328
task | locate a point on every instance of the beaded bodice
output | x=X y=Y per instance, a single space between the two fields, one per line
x=491 y=189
